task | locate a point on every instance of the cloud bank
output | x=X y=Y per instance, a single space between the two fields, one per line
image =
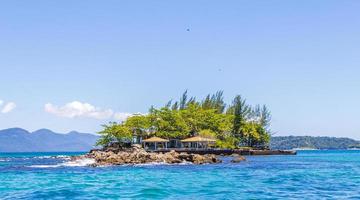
x=6 y=107
x=77 y=109
x=122 y=116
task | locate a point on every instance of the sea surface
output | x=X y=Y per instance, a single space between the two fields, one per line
x=308 y=175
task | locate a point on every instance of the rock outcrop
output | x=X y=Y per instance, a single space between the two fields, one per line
x=238 y=158
x=137 y=155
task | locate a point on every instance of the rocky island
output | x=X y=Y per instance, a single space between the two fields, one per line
x=191 y=131
x=137 y=155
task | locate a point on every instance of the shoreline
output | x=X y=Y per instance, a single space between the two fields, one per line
x=137 y=155
x=228 y=152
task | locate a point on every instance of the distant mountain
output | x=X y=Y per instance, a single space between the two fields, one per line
x=44 y=140
x=309 y=142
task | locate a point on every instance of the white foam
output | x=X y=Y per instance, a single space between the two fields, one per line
x=163 y=163
x=150 y=164
x=186 y=163
x=3 y=160
x=54 y=157
x=62 y=157
x=44 y=166
x=88 y=161
x=42 y=157
x=77 y=163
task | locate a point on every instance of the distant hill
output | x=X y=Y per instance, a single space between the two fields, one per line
x=309 y=142
x=44 y=140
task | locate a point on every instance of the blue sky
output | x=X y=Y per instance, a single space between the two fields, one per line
x=301 y=58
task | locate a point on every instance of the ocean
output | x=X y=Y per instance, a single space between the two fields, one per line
x=308 y=175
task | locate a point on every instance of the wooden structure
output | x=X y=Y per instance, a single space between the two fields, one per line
x=155 y=142
x=228 y=152
x=198 y=142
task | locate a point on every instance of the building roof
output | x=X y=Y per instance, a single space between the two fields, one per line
x=155 y=139
x=198 y=139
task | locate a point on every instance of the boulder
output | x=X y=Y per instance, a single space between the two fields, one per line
x=136 y=146
x=185 y=157
x=238 y=159
x=137 y=155
x=171 y=157
x=198 y=159
x=205 y=159
x=211 y=158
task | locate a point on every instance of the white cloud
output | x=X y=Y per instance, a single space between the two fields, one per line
x=79 y=109
x=1 y=102
x=8 y=107
x=122 y=116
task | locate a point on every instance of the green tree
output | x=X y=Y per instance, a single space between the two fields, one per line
x=207 y=133
x=218 y=100
x=169 y=124
x=168 y=104
x=138 y=124
x=262 y=115
x=264 y=138
x=183 y=101
x=228 y=142
x=192 y=117
x=175 y=106
x=250 y=135
x=241 y=112
x=114 y=132
x=215 y=101
x=207 y=103
x=239 y=124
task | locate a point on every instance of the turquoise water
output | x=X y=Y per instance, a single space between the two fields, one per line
x=308 y=175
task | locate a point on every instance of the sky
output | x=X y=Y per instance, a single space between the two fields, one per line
x=74 y=65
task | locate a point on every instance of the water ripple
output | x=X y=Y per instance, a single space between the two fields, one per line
x=309 y=175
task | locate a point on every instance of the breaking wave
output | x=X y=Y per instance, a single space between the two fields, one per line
x=64 y=157
x=76 y=163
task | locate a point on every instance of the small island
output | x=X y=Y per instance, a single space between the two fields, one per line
x=187 y=130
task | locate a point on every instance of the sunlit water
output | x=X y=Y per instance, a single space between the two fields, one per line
x=308 y=175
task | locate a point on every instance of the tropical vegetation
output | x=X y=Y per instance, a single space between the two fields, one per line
x=233 y=125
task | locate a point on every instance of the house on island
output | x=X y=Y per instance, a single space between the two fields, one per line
x=198 y=142
x=155 y=143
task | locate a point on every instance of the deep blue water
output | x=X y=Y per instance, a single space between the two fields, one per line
x=308 y=175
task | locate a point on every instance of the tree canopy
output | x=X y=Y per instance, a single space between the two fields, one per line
x=238 y=124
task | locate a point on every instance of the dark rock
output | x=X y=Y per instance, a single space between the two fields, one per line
x=238 y=159
x=137 y=155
